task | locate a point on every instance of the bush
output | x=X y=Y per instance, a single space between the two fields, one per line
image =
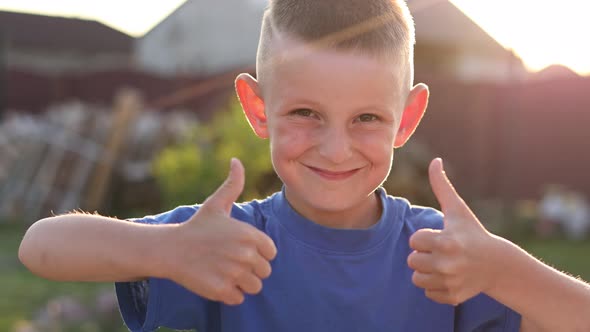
x=192 y=170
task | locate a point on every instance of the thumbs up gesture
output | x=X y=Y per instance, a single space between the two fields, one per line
x=218 y=257
x=451 y=264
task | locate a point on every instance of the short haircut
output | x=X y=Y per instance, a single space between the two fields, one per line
x=381 y=28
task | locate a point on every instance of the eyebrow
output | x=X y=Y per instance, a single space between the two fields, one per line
x=296 y=100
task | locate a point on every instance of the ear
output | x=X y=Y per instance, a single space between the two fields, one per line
x=248 y=92
x=414 y=110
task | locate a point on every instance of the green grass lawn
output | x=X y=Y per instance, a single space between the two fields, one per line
x=23 y=293
x=572 y=257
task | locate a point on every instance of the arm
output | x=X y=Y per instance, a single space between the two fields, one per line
x=544 y=296
x=210 y=254
x=83 y=247
x=464 y=259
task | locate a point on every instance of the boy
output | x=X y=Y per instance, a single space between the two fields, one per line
x=331 y=251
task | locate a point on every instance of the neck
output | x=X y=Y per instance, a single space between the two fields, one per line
x=363 y=215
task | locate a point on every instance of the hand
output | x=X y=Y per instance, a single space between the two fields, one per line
x=218 y=257
x=451 y=264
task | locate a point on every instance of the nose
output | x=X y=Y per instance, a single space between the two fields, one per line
x=335 y=145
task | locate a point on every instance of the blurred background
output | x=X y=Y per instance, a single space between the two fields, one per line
x=128 y=109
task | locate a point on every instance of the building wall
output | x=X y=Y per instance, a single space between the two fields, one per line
x=473 y=66
x=207 y=37
x=203 y=37
x=467 y=64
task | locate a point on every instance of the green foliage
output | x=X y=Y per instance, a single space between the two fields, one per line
x=409 y=174
x=25 y=295
x=191 y=171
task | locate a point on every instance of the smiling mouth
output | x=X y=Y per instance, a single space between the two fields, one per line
x=333 y=175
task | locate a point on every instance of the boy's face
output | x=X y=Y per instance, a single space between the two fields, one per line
x=332 y=119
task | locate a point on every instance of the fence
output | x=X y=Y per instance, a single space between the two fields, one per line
x=510 y=141
x=66 y=158
x=499 y=140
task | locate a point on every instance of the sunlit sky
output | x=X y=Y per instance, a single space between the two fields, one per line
x=541 y=32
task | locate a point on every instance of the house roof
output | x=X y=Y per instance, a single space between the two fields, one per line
x=440 y=21
x=172 y=13
x=437 y=21
x=60 y=33
x=553 y=72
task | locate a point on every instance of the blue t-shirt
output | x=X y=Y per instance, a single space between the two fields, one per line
x=323 y=279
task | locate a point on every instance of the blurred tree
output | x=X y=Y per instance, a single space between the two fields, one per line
x=191 y=171
x=409 y=174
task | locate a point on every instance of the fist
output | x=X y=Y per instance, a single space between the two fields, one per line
x=451 y=264
x=218 y=257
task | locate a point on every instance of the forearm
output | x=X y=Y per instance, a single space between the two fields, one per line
x=81 y=247
x=550 y=299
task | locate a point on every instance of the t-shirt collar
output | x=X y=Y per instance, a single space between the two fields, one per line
x=336 y=240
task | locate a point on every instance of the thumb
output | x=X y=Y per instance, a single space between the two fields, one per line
x=224 y=197
x=450 y=202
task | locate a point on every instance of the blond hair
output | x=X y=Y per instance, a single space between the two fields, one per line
x=381 y=28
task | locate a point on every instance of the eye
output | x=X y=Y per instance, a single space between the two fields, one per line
x=368 y=117
x=304 y=112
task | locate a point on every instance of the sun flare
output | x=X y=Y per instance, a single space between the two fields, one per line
x=541 y=32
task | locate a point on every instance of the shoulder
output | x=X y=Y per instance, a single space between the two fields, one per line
x=251 y=212
x=414 y=217
x=255 y=212
x=175 y=216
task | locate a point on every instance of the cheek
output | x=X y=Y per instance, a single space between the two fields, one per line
x=378 y=145
x=289 y=140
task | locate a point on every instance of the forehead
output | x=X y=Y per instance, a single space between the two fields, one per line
x=297 y=70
